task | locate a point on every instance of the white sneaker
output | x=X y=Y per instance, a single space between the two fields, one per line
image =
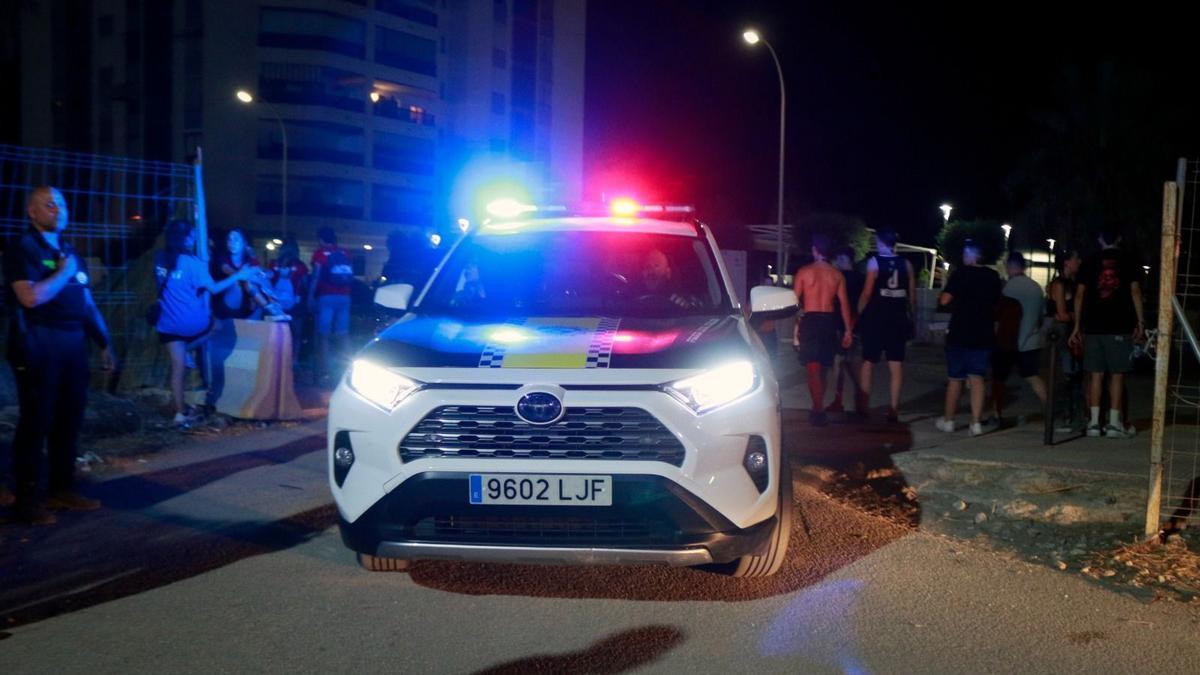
x=1114 y=431
x=945 y=425
x=1093 y=431
x=976 y=429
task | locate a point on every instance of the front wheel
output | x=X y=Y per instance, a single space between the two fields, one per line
x=375 y=563
x=769 y=562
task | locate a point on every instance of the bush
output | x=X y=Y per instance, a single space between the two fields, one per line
x=842 y=230
x=986 y=233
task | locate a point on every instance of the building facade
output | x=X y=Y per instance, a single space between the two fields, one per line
x=386 y=104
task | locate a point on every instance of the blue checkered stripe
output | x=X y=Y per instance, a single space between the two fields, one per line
x=493 y=355
x=600 y=349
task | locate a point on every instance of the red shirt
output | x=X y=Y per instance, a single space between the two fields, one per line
x=321 y=257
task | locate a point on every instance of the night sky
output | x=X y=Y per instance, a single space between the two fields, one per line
x=892 y=110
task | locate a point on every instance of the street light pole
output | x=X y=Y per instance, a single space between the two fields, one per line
x=247 y=98
x=752 y=37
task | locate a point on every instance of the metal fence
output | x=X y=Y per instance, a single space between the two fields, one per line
x=117 y=210
x=1174 y=496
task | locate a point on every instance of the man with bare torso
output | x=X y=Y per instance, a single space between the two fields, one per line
x=817 y=285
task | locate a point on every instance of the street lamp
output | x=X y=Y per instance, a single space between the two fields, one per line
x=1007 y=231
x=946 y=209
x=248 y=98
x=752 y=37
x=1051 y=242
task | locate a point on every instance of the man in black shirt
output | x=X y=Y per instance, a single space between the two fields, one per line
x=971 y=294
x=53 y=315
x=1109 y=319
x=886 y=304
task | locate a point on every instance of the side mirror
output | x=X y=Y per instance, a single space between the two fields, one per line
x=771 y=302
x=395 y=296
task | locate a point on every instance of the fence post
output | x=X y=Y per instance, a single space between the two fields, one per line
x=1162 y=362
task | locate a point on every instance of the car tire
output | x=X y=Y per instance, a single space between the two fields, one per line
x=375 y=563
x=771 y=560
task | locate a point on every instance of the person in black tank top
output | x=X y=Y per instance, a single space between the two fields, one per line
x=1060 y=306
x=886 y=306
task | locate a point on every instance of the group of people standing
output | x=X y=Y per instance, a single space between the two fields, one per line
x=997 y=326
x=193 y=296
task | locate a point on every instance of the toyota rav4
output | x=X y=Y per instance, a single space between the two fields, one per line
x=567 y=390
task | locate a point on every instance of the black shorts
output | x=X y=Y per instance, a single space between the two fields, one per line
x=883 y=338
x=819 y=337
x=164 y=338
x=1026 y=362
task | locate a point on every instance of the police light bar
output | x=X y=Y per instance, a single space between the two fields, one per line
x=512 y=208
x=628 y=208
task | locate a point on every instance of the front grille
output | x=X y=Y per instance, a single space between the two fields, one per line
x=495 y=432
x=517 y=530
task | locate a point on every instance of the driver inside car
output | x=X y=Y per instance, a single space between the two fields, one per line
x=657 y=281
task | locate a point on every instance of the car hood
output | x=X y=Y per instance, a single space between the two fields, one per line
x=559 y=342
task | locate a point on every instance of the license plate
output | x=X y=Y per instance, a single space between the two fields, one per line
x=539 y=489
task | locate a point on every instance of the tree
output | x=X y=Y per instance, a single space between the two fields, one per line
x=986 y=233
x=842 y=230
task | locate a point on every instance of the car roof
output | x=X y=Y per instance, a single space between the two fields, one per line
x=591 y=224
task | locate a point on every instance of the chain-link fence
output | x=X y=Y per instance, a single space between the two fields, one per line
x=1175 y=431
x=117 y=210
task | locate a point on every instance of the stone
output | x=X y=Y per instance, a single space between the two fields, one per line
x=981 y=518
x=960 y=505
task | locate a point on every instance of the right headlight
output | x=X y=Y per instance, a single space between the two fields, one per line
x=379 y=385
x=716 y=387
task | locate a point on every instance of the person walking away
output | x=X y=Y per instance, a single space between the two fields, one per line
x=1109 y=319
x=52 y=316
x=846 y=365
x=971 y=294
x=1028 y=337
x=1060 y=307
x=185 y=321
x=329 y=298
x=817 y=286
x=886 y=306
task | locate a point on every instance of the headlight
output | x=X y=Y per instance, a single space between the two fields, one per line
x=380 y=385
x=716 y=387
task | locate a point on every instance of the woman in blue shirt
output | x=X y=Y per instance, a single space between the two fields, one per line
x=185 y=320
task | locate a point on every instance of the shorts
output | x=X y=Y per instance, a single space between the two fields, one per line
x=1027 y=363
x=164 y=338
x=879 y=341
x=962 y=362
x=818 y=337
x=333 y=315
x=1108 y=353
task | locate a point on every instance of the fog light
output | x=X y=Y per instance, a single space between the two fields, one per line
x=344 y=457
x=756 y=462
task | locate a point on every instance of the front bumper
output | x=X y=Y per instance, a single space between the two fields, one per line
x=652 y=521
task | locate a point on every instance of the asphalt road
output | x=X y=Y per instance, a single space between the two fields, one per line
x=220 y=557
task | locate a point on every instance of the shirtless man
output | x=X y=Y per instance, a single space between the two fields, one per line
x=817 y=284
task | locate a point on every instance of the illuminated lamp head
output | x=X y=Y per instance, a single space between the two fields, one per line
x=624 y=207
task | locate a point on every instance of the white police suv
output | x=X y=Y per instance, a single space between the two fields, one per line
x=568 y=390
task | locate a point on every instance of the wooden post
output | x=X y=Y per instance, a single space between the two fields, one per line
x=1162 y=363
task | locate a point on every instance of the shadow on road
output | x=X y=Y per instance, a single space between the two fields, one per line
x=842 y=461
x=618 y=653
x=91 y=558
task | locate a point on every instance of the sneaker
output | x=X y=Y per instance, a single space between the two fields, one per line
x=945 y=425
x=976 y=429
x=1114 y=431
x=36 y=516
x=893 y=417
x=1093 y=431
x=69 y=500
x=182 y=421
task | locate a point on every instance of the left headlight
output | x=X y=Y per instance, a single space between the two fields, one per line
x=379 y=385
x=716 y=387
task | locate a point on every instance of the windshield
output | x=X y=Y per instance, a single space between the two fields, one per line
x=579 y=274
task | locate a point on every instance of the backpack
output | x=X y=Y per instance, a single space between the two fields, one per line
x=337 y=270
